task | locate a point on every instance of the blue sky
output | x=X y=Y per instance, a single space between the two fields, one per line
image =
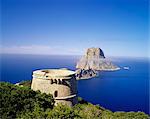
x=119 y=27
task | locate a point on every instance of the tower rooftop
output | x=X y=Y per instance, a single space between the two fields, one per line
x=54 y=72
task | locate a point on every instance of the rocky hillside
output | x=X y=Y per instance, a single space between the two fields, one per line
x=95 y=59
x=85 y=74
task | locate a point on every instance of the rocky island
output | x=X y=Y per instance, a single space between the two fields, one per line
x=93 y=61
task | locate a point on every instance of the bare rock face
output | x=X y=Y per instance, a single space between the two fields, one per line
x=85 y=74
x=94 y=53
x=95 y=59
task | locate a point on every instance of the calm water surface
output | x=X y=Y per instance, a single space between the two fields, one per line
x=123 y=90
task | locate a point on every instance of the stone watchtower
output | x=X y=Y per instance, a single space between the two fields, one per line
x=61 y=83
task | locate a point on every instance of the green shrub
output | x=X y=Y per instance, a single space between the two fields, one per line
x=15 y=100
x=61 y=112
x=87 y=111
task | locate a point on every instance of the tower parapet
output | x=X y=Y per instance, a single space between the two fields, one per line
x=61 y=83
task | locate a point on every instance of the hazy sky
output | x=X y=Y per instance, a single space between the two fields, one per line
x=119 y=27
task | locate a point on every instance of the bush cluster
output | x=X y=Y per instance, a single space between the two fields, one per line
x=15 y=100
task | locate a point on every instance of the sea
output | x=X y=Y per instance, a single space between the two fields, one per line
x=122 y=90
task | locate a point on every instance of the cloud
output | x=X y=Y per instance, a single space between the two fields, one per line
x=39 y=49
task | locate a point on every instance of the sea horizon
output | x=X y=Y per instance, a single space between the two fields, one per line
x=78 y=55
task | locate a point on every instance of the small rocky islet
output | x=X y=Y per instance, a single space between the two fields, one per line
x=92 y=62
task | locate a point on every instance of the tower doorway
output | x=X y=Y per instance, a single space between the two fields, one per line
x=55 y=93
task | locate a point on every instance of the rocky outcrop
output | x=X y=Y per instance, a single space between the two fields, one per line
x=85 y=74
x=94 y=59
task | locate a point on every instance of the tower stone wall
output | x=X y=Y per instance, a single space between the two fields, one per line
x=61 y=83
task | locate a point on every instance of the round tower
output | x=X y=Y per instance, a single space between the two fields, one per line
x=61 y=83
